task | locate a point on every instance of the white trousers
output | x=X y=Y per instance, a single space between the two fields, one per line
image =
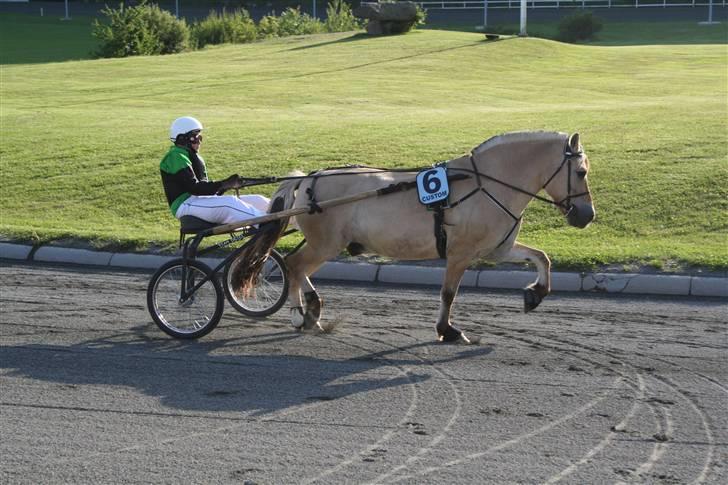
x=224 y=209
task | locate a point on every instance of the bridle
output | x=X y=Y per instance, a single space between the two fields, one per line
x=566 y=202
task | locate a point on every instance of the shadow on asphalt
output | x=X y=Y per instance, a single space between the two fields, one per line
x=214 y=375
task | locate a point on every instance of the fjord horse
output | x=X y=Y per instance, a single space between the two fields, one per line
x=482 y=221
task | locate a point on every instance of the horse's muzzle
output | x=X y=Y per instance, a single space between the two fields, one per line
x=580 y=215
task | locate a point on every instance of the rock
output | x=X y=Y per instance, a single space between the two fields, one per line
x=387 y=18
x=398 y=12
x=367 y=10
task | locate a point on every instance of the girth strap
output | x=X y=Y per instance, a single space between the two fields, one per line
x=440 y=234
x=438 y=212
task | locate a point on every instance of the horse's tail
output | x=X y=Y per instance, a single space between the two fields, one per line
x=287 y=192
x=256 y=251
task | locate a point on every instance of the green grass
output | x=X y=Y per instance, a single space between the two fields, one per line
x=82 y=140
x=32 y=39
x=620 y=33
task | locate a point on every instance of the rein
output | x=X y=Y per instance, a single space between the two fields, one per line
x=249 y=182
x=440 y=235
x=564 y=204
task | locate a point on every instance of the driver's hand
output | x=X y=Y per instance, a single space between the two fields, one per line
x=232 y=182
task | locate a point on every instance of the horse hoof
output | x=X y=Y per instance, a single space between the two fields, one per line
x=451 y=334
x=472 y=340
x=297 y=318
x=326 y=327
x=531 y=299
x=309 y=321
x=313 y=309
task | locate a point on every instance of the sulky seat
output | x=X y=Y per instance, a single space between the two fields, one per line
x=192 y=225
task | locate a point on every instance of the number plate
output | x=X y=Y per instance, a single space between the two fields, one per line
x=432 y=185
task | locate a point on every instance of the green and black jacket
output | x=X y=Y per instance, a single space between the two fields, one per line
x=184 y=174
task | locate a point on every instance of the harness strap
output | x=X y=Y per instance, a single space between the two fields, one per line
x=296 y=249
x=439 y=215
x=440 y=234
x=313 y=206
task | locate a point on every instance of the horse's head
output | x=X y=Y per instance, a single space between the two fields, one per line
x=568 y=186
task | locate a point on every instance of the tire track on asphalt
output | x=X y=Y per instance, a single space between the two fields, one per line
x=387 y=436
x=675 y=389
x=443 y=433
x=639 y=386
x=511 y=442
x=519 y=439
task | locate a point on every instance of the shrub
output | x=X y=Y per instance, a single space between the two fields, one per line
x=339 y=17
x=268 y=27
x=579 y=26
x=140 y=30
x=421 y=17
x=229 y=27
x=172 y=33
x=293 y=22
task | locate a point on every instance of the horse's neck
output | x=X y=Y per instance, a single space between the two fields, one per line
x=525 y=165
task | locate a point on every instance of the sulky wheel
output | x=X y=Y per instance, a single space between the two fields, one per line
x=179 y=316
x=268 y=293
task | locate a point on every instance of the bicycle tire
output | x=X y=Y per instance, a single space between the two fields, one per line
x=190 y=319
x=269 y=292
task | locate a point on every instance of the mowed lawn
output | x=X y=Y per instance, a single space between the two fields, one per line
x=82 y=140
x=31 y=39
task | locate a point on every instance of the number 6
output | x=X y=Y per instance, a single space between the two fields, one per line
x=432 y=185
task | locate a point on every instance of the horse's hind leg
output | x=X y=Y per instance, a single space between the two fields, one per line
x=534 y=293
x=446 y=332
x=306 y=312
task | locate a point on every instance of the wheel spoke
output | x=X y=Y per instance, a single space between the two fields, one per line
x=267 y=293
x=185 y=318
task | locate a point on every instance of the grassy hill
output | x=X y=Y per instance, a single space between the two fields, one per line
x=82 y=139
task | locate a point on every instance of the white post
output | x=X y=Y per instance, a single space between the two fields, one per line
x=485 y=13
x=176 y=8
x=66 y=17
x=314 y=8
x=710 y=15
x=523 y=33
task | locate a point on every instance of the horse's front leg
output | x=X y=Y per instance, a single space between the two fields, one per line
x=446 y=332
x=313 y=302
x=537 y=291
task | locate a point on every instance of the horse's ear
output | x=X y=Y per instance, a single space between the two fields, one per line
x=574 y=142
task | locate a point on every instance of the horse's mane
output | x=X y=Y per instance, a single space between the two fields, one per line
x=516 y=136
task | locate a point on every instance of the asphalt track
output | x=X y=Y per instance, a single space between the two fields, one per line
x=586 y=389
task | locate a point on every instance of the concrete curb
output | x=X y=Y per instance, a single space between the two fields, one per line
x=409 y=274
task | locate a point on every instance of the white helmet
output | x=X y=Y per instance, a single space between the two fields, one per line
x=183 y=125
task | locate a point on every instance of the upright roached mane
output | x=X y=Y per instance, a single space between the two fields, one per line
x=505 y=172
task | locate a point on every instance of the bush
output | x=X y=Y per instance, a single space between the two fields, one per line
x=172 y=33
x=293 y=22
x=579 y=26
x=140 y=30
x=339 y=17
x=421 y=18
x=268 y=27
x=233 y=28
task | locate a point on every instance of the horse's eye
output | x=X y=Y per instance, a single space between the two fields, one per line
x=581 y=174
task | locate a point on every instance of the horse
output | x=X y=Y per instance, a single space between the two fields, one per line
x=481 y=220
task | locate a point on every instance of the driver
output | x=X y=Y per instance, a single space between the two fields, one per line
x=190 y=193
